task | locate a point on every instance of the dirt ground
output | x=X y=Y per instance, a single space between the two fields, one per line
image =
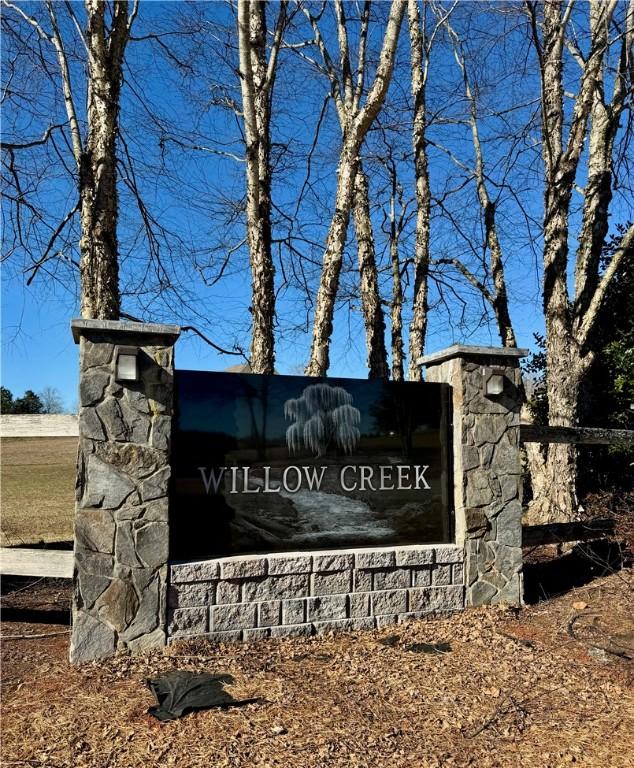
x=38 y=489
x=551 y=685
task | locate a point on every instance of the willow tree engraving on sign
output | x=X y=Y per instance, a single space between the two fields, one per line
x=324 y=416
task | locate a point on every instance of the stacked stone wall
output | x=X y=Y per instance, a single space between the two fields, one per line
x=282 y=595
x=121 y=519
x=487 y=472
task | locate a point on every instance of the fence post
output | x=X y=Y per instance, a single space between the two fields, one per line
x=486 y=386
x=121 y=520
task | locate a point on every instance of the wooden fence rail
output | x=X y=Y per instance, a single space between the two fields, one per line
x=51 y=563
x=557 y=533
x=532 y=433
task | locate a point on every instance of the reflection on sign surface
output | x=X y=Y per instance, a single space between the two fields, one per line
x=286 y=463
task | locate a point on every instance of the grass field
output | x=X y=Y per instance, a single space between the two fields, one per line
x=38 y=496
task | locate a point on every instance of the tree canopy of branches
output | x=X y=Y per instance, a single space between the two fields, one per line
x=159 y=158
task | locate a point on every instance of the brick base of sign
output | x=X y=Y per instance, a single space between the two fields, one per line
x=285 y=595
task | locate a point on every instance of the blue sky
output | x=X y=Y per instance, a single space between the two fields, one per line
x=191 y=192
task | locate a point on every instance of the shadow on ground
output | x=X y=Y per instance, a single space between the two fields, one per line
x=547 y=578
x=36 y=601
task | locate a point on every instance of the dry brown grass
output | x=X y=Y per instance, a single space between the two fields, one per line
x=38 y=496
x=512 y=691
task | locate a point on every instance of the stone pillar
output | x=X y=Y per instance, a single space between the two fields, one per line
x=123 y=470
x=487 y=475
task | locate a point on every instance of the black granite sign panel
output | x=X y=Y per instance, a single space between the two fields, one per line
x=287 y=463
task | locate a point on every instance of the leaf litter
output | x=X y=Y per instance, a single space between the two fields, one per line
x=510 y=690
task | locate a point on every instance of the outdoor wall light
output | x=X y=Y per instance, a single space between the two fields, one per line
x=126 y=364
x=494 y=382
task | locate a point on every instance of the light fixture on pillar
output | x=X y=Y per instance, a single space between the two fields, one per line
x=494 y=381
x=126 y=362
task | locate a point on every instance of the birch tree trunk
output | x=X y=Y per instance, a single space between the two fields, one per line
x=396 y=313
x=568 y=344
x=499 y=296
x=256 y=80
x=94 y=154
x=373 y=318
x=605 y=119
x=371 y=307
x=355 y=123
x=418 y=324
x=99 y=263
x=569 y=353
x=561 y=379
x=331 y=268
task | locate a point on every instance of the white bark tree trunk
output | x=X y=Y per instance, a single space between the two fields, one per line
x=567 y=350
x=355 y=121
x=331 y=267
x=256 y=80
x=99 y=264
x=372 y=310
x=418 y=323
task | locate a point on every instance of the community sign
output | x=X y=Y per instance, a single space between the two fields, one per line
x=290 y=463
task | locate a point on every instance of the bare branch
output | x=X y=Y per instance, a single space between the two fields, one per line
x=132 y=16
x=275 y=46
x=465 y=272
x=383 y=74
x=330 y=69
x=36 y=267
x=67 y=87
x=35 y=142
x=238 y=352
x=30 y=19
x=363 y=42
x=69 y=7
x=623 y=254
x=202 y=148
x=344 y=53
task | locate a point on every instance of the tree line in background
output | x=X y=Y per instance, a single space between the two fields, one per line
x=48 y=400
x=400 y=161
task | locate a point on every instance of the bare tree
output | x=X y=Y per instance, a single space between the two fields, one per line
x=356 y=120
x=99 y=265
x=94 y=152
x=397 y=215
x=492 y=284
x=51 y=400
x=257 y=77
x=569 y=324
x=419 y=60
x=162 y=269
x=347 y=87
x=498 y=297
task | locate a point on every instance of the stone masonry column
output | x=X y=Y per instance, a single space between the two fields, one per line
x=123 y=470
x=486 y=384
